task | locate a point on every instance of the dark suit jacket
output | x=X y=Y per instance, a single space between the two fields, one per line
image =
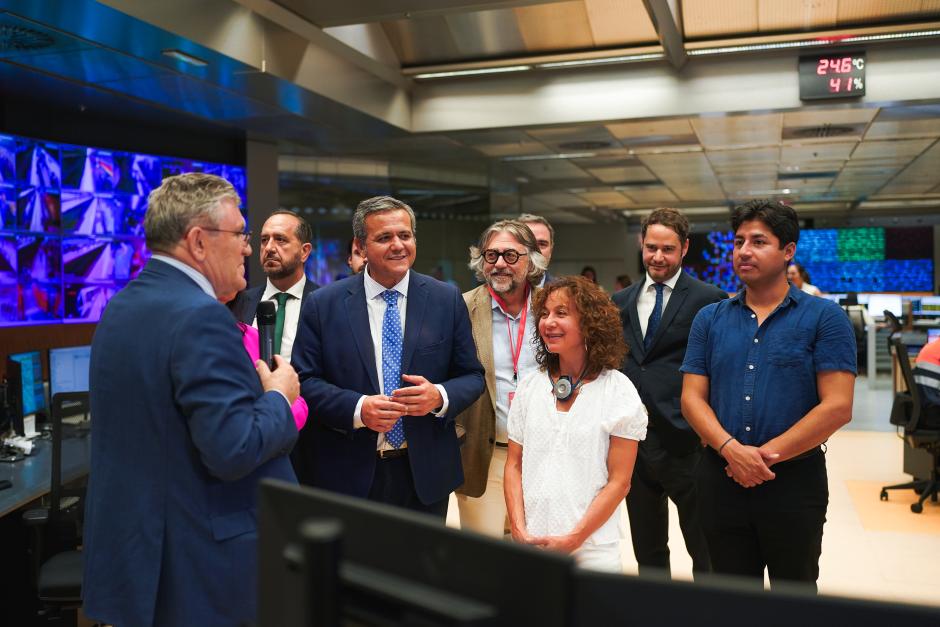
x=183 y=434
x=656 y=373
x=246 y=303
x=335 y=359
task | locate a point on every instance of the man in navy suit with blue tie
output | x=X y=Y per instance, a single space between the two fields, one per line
x=386 y=361
x=185 y=425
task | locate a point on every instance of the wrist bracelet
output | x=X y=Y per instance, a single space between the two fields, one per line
x=725 y=444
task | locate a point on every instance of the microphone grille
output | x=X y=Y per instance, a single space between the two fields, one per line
x=267 y=312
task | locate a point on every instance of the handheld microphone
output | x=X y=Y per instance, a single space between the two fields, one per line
x=267 y=312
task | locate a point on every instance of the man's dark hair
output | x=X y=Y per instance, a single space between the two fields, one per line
x=303 y=231
x=670 y=218
x=781 y=219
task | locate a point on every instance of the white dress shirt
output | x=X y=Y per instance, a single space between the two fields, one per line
x=376 y=305
x=291 y=313
x=502 y=359
x=646 y=299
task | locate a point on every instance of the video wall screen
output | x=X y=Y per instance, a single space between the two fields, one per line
x=872 y=259
x=71 y=225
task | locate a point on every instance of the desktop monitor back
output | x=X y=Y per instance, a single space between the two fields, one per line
x=606 y=599
x=392 y=557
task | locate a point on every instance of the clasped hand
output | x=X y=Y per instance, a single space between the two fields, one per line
x=749 y=466
x=381 y=412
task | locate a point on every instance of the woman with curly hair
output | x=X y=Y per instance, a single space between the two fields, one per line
x=573 y=429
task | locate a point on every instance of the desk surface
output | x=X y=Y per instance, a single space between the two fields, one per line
x=31 y=476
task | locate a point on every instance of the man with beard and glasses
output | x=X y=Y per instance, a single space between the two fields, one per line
x=285 y=245
x=507 y=258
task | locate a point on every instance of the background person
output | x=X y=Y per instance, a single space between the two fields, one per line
x=798 y=276
x=508 y=261
x=573 y=429
x=657 y=314
x=544 y=234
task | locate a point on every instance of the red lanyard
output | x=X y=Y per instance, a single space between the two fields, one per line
x=515 y=351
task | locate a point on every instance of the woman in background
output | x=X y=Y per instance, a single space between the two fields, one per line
x=573 y=429
x=799 y=277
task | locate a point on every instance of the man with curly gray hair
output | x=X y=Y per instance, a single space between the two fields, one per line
x=508 y=261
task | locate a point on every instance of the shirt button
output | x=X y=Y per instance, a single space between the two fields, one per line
x=753 y=315
x=750 y=366
x=747 y=428
x=747 y=398
x=756 y=340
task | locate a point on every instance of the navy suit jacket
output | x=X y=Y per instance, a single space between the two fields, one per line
x=183 y=432
x=655 y=373
x=335 y=359
x=245 y=306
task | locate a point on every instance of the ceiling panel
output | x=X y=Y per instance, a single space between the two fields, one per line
x=879 y=10
x=899 y=129
x=798 y=153
x=796 y=15
x=812 y=166
x=605 y=198
x=621 y=174
x=552 y=169
x=421 y=41
x=650 y=194
x=555 y=26
x=483 y=34
x=566 y=134
x=897 y=149
x=703 y=18
x=619 y=22
x=738 y=130
x=838 y=117
x=560 y=199
x=747 y=158
x=651 y=128
x=514 y=149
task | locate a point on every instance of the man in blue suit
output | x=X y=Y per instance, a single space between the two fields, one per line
x=185 y=426
x=386 y=361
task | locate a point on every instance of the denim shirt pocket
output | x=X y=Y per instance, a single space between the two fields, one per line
x=789 y=347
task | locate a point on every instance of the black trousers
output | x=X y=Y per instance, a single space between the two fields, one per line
x=393 y=484
x=658 y=476
x=777 y=525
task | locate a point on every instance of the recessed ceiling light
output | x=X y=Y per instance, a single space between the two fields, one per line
x=486 y=70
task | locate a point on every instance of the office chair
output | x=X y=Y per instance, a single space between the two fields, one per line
x=921 y=429
x=56 y=558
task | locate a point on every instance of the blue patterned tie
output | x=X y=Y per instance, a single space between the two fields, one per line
x=655 y=317
x=391 y=360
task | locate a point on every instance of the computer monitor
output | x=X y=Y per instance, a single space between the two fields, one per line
x=68 y=369
x=933 y=334
x=879 y=303
x=32 y=392
x=400 y=567
x=927 y=306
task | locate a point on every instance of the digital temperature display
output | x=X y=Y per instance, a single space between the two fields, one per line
x=832 y=76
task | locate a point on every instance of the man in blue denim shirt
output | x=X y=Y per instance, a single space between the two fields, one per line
x=769 y=376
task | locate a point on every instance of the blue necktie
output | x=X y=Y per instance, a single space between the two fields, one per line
x=655 y=317
x=391 y=360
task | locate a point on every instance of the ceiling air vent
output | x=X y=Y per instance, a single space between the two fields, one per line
x=823 y=131
x=20 y=38
x=584 y=145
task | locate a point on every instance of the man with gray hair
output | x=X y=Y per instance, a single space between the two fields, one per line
x=387 y=361
x=508 y=260
x=185 y=425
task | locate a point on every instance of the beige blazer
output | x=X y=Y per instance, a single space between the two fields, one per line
x=479 y=420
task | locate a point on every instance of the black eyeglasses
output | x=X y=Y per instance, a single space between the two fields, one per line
x=511 y=256
x=245 y=235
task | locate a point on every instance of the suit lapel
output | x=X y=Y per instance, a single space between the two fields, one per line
x=414 y=318
x=361 y=332
x=481 y=322
x=676 y=299
x=637 y=345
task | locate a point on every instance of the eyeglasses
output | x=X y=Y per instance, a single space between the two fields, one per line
x=511 y=256
x=245 y=235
